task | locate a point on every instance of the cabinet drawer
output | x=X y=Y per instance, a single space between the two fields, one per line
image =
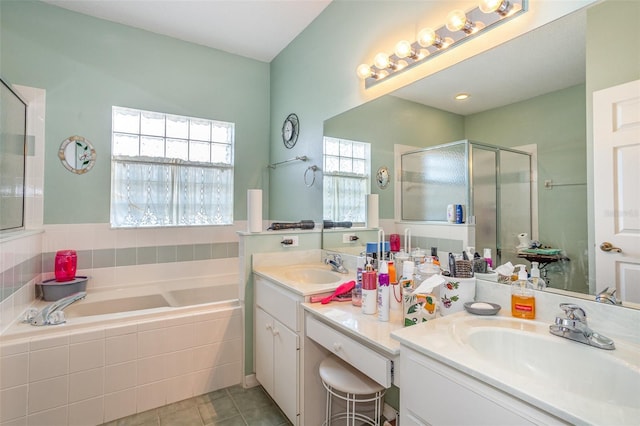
x=275 y=300
x=361 y=357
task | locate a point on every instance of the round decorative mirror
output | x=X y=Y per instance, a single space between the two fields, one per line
x=77 y=154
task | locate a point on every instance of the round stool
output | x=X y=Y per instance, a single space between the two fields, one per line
x=346 y=383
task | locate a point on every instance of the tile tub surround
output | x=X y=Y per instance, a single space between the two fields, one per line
x=100 y=374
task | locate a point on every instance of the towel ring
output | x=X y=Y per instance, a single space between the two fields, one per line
x=313 y=176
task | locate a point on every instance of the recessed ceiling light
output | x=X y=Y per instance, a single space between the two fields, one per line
x=461 y=96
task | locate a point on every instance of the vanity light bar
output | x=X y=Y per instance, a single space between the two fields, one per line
x=460 y=27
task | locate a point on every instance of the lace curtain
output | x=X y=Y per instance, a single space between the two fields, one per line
x=157 y=194
x=344 y=198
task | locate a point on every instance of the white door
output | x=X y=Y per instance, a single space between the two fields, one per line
x=616 y=133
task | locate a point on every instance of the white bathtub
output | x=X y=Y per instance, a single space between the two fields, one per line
x=124 y=350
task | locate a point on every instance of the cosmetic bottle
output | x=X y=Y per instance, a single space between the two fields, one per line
x=523 y=300
x=487 y=257
x=356 y=293
x=383 y=292
x=537 y=282
x=406 y=284
x=369 y=299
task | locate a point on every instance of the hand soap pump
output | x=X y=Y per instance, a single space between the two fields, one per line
x=523 y=300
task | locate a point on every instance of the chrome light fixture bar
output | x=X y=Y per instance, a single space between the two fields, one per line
x=460 y=26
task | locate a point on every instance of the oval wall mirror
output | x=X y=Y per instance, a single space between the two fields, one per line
x=77 y=154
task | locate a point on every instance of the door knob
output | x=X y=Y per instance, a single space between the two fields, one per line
x=606 y=246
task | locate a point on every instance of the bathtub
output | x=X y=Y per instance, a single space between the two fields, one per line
x=124 y=350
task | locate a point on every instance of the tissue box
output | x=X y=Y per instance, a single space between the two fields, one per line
x=455 y=293
x=417 y=307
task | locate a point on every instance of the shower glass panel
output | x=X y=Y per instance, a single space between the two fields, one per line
x=493 y=183
x=515 y=202
x=484 y=178
x=432 y=179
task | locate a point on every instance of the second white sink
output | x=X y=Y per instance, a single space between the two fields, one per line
x=306 y=275
x=568 y=366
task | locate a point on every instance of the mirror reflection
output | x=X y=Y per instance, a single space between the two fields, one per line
x=77 y=154
x=523 y=96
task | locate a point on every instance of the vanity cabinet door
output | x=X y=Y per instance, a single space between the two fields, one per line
x=264 y=350
x=277 y=363
x=285 y=369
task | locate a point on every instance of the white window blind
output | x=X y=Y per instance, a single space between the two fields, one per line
x=346 y=179
x=170 y=170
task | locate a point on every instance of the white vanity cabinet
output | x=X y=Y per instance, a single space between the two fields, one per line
x=436 y=394
x=277 y=345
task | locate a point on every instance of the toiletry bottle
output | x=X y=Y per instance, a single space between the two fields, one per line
x=369 y=299
x=523 y=300
x=383 y=292
x=537 y=282
x=487 y=257
x=406 y=284
x=356 y=293
x=434 y=256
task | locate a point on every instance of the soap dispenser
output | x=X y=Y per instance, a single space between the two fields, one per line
x=523 y=300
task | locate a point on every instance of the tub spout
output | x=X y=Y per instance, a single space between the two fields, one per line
x=52 y=314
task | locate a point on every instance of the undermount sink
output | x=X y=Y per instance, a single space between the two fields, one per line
x=311 y=275
x=528 y=350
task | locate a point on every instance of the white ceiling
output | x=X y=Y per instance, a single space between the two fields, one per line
x=257 y=29
x=547 y=59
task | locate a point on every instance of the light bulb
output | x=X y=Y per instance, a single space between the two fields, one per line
x=381 y=60
x=403 y=49
x=490 y=6
x=462 y=96
x=363 y=71
x=456 y=20
x=427 y=37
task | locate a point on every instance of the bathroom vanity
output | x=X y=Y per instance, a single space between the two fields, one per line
x=458 y=369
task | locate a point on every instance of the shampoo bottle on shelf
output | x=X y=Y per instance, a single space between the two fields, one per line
x=523 y=300
x=383 y=292
x=369 y=298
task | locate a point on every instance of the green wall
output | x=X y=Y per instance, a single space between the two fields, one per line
x=387 y=121
x=87 y=65
x=556 y=123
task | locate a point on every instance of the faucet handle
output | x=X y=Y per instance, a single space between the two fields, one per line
x=574 y=312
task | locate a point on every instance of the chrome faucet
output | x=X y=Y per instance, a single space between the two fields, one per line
x=52 y=314
x=573 y=326
x=608 y=296
x=335 y=260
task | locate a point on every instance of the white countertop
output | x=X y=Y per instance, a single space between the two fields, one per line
x=438 y=339
x=349 y=319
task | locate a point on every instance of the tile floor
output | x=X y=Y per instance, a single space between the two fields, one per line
x=225 y=407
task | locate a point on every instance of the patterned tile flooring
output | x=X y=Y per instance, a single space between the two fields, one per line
x=225 y=407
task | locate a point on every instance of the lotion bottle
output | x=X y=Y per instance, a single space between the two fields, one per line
x=523 y=300
x=369 y=299
x=383 y=292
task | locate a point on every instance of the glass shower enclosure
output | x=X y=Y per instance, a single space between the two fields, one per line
x=493 y=184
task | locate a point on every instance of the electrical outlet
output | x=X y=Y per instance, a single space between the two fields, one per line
x=349 y=238
x=289 y=241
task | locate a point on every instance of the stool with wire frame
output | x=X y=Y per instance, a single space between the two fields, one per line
x=344 y=382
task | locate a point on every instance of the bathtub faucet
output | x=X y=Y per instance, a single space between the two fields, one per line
x=52 y=314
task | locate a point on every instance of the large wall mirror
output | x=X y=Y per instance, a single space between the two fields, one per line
x=529 y=92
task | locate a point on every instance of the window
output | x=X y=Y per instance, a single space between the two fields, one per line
x=170 y=170
x=346 y=179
